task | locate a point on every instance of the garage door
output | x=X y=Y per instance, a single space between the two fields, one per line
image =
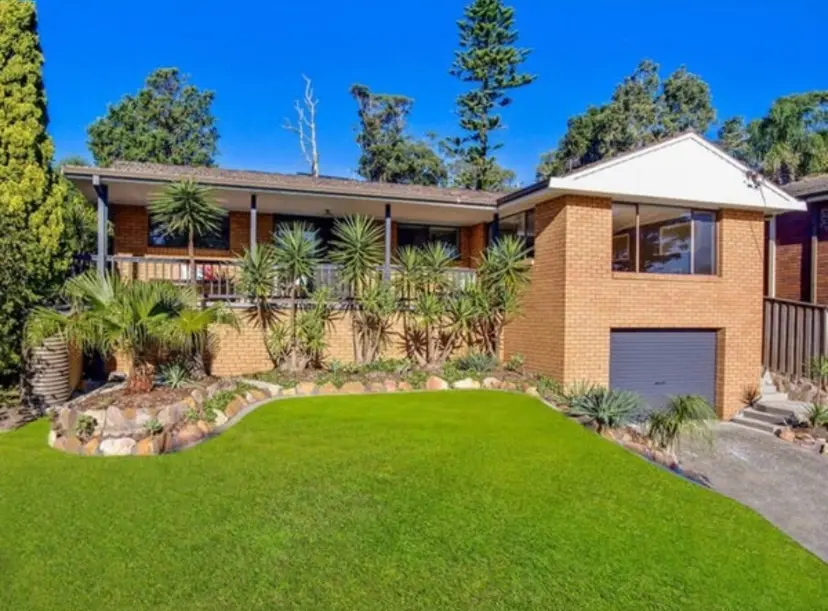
x=665 y=363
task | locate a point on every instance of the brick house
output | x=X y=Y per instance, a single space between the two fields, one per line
x=801 y=255
x=647 y=272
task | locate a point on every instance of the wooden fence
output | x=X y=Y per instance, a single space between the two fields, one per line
x=795 y=333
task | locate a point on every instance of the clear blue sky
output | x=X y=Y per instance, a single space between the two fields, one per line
x=253 y=53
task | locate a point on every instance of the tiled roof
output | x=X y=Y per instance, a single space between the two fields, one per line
x=286 y=182
x=810 y=185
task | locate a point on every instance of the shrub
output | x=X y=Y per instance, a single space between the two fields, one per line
x=567 y=395
x=477 y=362
x=817 y=415
x=417 y=378
x=175 y=375
x=451 y=373
x=751 y=395
x=85 y=426
x=819 y=368
x=154 y=427
x=684 y=415
x=605 y=408
x=515 y=363
x=547 y=387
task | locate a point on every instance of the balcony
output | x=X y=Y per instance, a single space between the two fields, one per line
x=217 y=279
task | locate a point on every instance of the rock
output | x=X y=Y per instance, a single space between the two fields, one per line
x=405 y=387
x=435 y=383
x=116 y=424
x=288 y=392
x=67 y=417
x=256 y=395
x=198 y=396
x=508 y=386
x=121 y=446
x=221 y=419
x=378 y=387
x=187 y=436
x=532 y=391
x=149 y=446
x=305 y=388
x=327 y=389
x=804 y=437
x=824 y=448
x=786 y=434
x=91 y=446
x=204 y=426
x=234 y=407
x=271 y=390
x=52 y=438
x=491 y=383
x=390 y=385
x=99 y=415
x=129 y=413
x=189 y=403
x=72 y=444
x=142 y=417
x=352 y=388
x=466 y=384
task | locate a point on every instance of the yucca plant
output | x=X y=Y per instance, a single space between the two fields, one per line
x=605 y=408
x=298 y=252
x=175 y=375
x=817 y=415
x=258 y=279
x=138 y=319
x=187 y=208
x=684 y=415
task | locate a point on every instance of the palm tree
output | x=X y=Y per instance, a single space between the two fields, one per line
x=298 y=252
x=258 y=278
x=139 y=319
x=357 y=249
x=190 y=209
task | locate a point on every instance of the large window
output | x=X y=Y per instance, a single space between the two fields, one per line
x=663 y=239
x=220 y=240
x=417 y=235
x=521 y=225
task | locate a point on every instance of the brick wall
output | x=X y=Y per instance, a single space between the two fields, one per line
x=575 y=299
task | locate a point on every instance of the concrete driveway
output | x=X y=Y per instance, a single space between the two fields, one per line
x=787 y=485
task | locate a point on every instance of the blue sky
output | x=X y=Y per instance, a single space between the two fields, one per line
x=253 y=53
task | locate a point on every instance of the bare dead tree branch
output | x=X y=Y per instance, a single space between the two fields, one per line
x=305 y=127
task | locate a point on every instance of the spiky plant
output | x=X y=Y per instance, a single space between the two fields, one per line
x=190 y=209
x=138 y=319
x=817 y=415
x=258 y=280
x=298 y=252
x=605 y=408
x=175 y=375
x=684 y=415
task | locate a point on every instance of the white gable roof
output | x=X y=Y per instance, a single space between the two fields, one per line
x=685 y=170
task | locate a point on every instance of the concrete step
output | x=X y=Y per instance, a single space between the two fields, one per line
x=783 y=409
x=769 y=417
x=774 y=396
x=759 y=425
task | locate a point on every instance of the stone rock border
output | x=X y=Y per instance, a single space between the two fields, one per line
x=120 y=432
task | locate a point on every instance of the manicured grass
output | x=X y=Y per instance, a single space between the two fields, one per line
x=436 y=501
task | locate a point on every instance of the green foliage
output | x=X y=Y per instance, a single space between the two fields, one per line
x=515 y=363
x=569 y=394
x=816 y=415
x=489 y=59
x=548 y=387
x=605 y=408
x=258 y=280
x=819 y=368
x=479 y=363
x=301 y=341
x=416 y=378
x=387 y=153
x=175 y=375
x=216 y=403
x=684 y=415
x=186 y=208
x=35 y=248
x=154 y=427
x=642 y=111
x=138 y=319
x=85 y=426
x=734 y=139
x=168 y=121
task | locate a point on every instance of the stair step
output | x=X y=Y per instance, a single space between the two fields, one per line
x=769 y=417
x=758 y=425
x=774 y=396
x=778 y=408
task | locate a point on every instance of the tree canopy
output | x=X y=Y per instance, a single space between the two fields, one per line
x=168 y=121
x=387 y=152
x=642 y=110
x=489 y=59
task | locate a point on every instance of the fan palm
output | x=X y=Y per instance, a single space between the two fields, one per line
x=138 y=319
x=298 y=252
x=189 y=209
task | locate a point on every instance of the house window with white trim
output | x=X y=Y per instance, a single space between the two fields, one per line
x=663 y=239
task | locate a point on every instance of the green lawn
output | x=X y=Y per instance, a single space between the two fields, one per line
x=437 y=501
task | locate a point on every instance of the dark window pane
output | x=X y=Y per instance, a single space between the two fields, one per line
x=521 y=225
x=216 y=241
x=321 y=225
x=704 y=242
x=664 y=239
x=623 y=237
x=419 y=235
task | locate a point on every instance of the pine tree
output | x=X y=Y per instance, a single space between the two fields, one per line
x=33 y=252
x=489 y=58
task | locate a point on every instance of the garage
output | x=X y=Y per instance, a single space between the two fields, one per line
x=658 y=364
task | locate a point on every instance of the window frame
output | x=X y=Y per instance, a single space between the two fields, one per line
x=223 y=234
x=715 y=255
x=456 y=230
x=525 y=214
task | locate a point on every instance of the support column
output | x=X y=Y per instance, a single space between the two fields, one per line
x=386 y=270
x=771 y=263
x=102 y=192
x=253 y=222
x=814 y=252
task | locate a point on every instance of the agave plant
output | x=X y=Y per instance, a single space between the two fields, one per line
x=258 y=279
x=817 y=415
x=138 y=319
x=684 y=415
x=605 y=408
x=189 y=209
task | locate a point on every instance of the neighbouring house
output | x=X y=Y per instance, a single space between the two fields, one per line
x=647 y=268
